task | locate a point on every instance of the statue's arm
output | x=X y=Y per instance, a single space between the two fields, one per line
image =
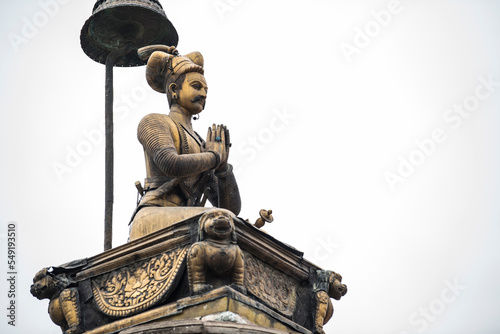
x=155 y=136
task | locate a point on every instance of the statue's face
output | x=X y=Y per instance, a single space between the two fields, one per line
x=193 y=93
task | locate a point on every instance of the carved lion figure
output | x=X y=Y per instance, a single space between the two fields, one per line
x=329 y=286
x=216 y=253
x=64 y=307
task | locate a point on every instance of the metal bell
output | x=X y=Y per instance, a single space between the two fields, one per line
x=114 y=23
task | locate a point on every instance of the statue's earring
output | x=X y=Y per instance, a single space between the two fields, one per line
x=172 y=89
x=196 y=117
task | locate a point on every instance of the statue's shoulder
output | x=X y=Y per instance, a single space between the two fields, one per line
x=155 y=119
x=154 y=125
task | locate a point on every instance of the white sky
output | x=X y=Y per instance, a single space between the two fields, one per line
x=320 y=166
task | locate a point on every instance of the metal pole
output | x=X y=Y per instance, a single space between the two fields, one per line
x=109 y=164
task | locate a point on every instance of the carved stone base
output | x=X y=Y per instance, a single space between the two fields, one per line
x=199 y=327
x=143 y=286
x=220 y=300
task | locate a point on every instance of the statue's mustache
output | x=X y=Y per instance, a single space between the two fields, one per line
x=199 y=98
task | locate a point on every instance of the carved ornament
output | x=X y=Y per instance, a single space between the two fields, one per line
x=270 y=285
x=138 y=286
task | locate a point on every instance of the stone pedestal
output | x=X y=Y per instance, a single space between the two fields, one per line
x=200 y=326
x=206 y=311
x=142 y=287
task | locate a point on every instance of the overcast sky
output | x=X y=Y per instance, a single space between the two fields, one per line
x=370 y=128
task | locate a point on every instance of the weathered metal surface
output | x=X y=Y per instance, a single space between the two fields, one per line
x=216 y=253
x=270 y=285
x=327 y=284
x=282 y=287
x=265 y=217
x=64 y=305
x=115 y=22
x=194 y=326
x=115 y=28
x=213 y=302
x=109 y=155
x=182 y=169
x=139 y=286
x=188 y=263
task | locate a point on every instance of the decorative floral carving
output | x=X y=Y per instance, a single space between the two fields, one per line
x=140 y=285
x=270 y=285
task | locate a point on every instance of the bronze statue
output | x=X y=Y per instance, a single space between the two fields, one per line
x=193 y=266
x=216 y=253
x=188 y=268
x=183 y=170
x=64 y=305
x=329 y=285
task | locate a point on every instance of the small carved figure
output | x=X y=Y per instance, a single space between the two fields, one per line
x=265 y=217
x=64 y=306
x=329 y=285
x=217 y=253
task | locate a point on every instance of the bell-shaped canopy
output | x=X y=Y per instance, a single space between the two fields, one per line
x=114 y=23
